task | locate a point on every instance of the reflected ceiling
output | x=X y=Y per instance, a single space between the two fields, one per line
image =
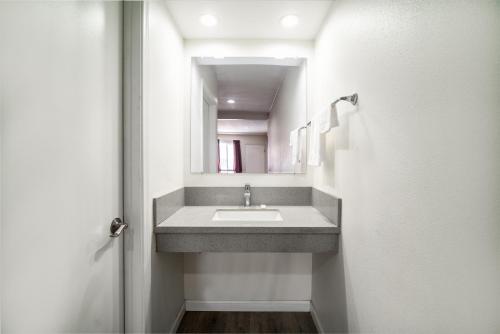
x=252 y=87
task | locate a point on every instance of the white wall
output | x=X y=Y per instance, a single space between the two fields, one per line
x=203 y=85
x=289 y=112
x=417 y=166
x=60 y=129
x=163 y=157
x=236 y=265
x=209 y=77
x=195 y=107
x=210 y=91
x=247 y=277
x=211 y=165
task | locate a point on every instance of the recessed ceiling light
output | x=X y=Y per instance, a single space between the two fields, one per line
x=231 y=101
x=208 y=20
x=289 y=21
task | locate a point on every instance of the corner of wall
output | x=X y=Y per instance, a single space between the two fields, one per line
x=163 y=160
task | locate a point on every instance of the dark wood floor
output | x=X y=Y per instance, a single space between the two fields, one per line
x=247 y=322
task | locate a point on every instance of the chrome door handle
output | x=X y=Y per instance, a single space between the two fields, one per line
x=116 y=228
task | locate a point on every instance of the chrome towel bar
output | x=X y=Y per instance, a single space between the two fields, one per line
x=353 y=99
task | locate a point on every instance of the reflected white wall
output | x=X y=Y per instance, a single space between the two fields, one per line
x=202 y=130
x=288 y=113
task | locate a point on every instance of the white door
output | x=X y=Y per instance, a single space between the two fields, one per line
x=255 y=159
x=61 y=178
x=206 y=135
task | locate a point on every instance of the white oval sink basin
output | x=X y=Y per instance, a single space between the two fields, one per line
x=247 y=215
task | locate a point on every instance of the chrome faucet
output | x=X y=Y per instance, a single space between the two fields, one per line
x=247 y=195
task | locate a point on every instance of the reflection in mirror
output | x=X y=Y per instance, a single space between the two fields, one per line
x=247 y=114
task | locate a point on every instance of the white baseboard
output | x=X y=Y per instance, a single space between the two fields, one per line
x=178 y=319
x=249 y=306
x=315 y=317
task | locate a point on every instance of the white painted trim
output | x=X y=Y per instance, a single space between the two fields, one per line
x=178 y=319
x=1 y=187
x=315 y=318
x=133 y=178
x=249 y=306
x=212 y=99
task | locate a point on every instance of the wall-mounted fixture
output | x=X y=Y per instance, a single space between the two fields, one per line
x=352 y=99
x=208 y=20
x=289 y=21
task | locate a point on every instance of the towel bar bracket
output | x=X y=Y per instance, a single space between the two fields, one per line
x=353 y=99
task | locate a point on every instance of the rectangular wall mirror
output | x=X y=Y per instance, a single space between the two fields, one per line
x=247 y=115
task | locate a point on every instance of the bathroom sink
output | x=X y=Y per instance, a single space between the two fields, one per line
x=248 y=215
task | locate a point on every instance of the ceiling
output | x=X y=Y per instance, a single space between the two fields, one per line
x=249 y=19
x=287 y=61
x=241 y=126
x=252 y=87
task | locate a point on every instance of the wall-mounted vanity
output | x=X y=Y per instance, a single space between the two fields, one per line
x=215 y=219
x=243 y=112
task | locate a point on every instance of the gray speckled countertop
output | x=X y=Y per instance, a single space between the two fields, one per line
x=198 y=219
